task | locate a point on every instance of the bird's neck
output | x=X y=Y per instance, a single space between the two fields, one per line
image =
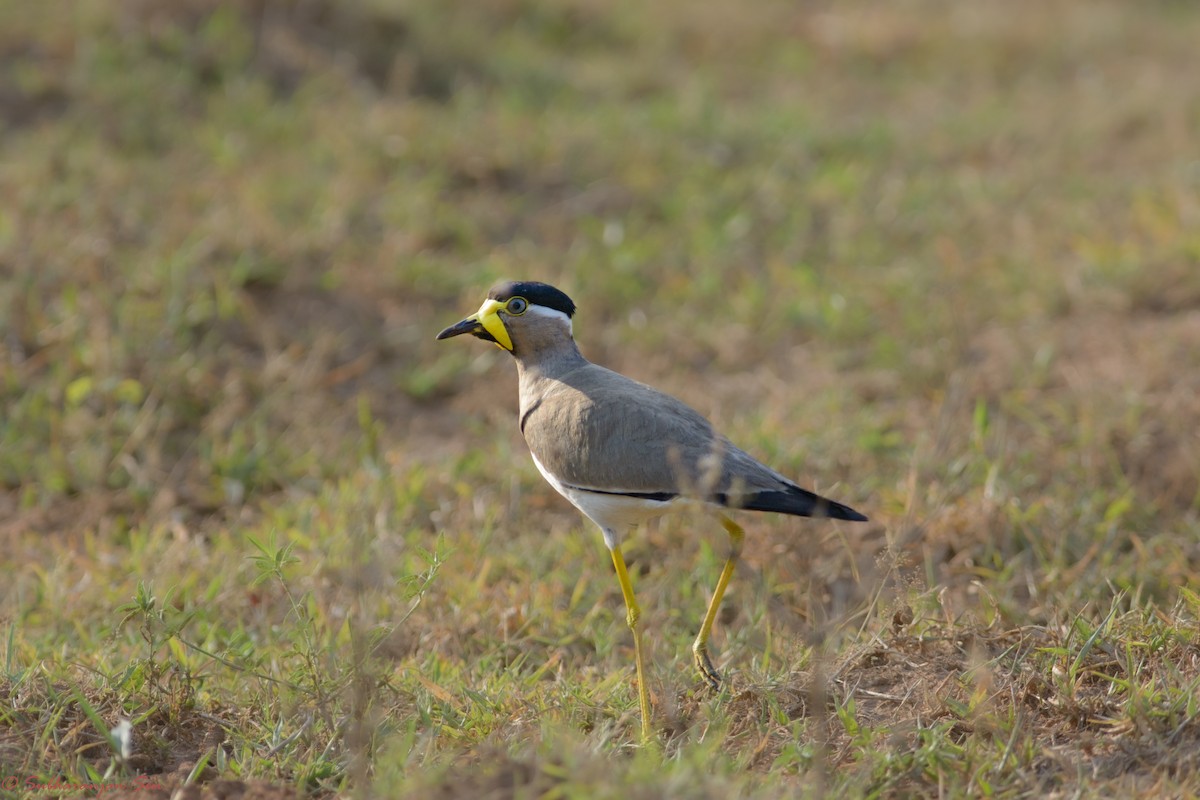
x=549 y=360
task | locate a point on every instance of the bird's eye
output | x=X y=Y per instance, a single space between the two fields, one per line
x=517 y=306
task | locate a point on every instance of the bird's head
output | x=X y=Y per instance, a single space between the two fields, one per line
x=519 y=315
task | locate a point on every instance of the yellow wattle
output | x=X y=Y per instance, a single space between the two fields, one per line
x=489 y=317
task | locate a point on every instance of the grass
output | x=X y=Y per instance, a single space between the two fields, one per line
x=937 y=260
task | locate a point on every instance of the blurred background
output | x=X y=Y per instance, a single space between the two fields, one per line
x=938 y=259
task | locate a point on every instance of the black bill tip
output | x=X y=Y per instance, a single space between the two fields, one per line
x=468 y=325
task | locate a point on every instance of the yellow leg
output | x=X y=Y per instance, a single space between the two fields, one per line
x=632 y=614
x=700 y=646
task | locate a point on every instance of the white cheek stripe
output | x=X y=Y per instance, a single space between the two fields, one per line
x=553 y=313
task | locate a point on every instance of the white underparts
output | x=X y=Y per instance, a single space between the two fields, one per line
x=612 y=512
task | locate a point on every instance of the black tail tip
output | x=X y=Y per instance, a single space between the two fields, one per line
x=838 y=511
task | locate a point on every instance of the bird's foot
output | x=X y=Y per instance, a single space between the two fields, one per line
x=705 y=666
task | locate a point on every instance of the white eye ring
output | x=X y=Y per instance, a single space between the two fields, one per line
x=517 y=306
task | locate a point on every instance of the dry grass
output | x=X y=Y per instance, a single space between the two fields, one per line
x=939 y=260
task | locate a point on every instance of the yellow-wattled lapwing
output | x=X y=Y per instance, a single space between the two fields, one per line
x=622 y=452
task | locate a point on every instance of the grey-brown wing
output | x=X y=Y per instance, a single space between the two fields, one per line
x=597 y=429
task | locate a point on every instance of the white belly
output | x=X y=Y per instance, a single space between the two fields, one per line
x=612 y=512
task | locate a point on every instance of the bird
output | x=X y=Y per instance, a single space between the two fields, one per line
x=622 y=452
